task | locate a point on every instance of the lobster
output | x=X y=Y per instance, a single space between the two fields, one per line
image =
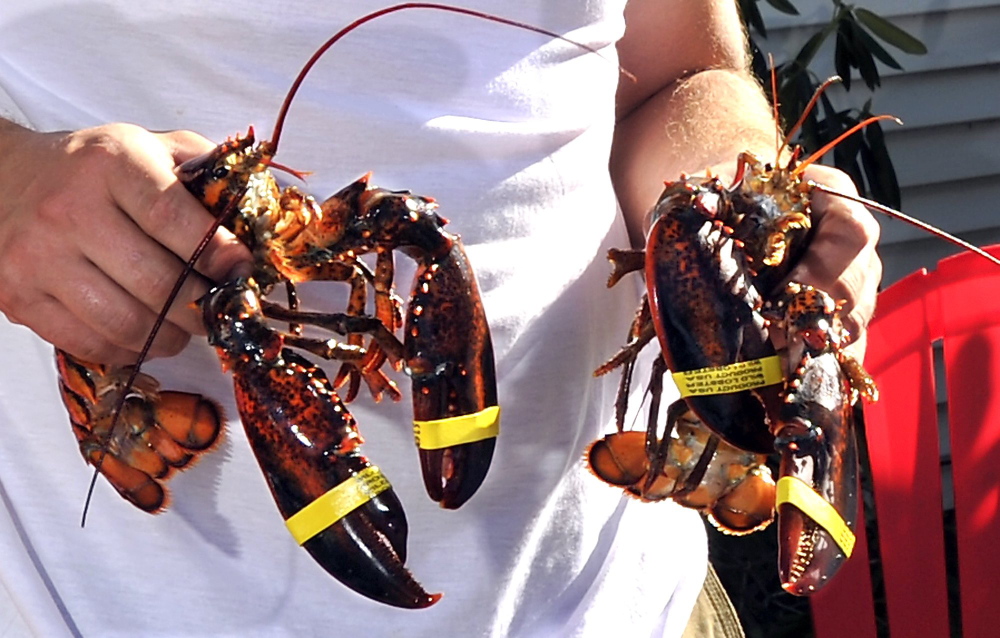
x=716 y=259
x=336 y=504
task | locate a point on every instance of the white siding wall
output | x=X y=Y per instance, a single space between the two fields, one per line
x=947 y=156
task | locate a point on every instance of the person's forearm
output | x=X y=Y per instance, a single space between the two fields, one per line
x=702 y=120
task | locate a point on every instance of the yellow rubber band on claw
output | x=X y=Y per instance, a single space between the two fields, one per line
x=468 y=428
x=337 y=503
x=795 y=492
x=735 y=377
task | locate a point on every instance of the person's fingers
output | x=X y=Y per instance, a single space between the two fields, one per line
x=841 y=259
x=111 y=312
x=184 y=145
x=136 y=263
x=56 y=324
x=144 y=185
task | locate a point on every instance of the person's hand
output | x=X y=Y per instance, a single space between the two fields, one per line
x=841 y=257
x=94 y=231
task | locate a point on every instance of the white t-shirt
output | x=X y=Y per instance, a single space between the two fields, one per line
x=510 y=132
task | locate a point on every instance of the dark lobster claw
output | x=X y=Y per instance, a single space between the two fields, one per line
x=448 y=350
x=703 y=308
x=817 y=492
x=817 y=488
x=449 y=356
x=337 y=506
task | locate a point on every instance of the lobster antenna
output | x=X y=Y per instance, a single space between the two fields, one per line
x=297 y=174
x=116 y=415
x=895 y=214
x=849 y=132
x=280 y=121
x=774 y=110
x=809 y=107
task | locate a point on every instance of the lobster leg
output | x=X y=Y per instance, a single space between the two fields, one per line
x=349 y=373
x=388 y=309
x=340 y=323
x=640 y=333
x=623 y=262
x=632 y=459
x=357 y=274
x=338 y=506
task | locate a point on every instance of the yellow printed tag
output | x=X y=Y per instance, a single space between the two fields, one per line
x=795 y=491
x=745 y=375
x=468 y=428
x=337 y=503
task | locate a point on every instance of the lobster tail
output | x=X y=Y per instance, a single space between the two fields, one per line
x=619 y=459
x=164 y=431
x=690 y=465
x=749 y=506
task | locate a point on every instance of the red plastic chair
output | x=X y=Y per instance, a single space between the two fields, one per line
x=959 y=303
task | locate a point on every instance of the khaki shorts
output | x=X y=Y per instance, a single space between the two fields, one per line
x=714 y=615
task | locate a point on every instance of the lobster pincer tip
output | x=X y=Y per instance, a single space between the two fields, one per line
x=455 y=454
x=365 y=545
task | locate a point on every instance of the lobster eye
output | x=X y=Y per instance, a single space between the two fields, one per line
x=220 y=172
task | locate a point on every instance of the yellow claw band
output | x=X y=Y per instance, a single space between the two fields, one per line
x=795 y=492
x=468 y=428
x=735 y=377
x=337 y=503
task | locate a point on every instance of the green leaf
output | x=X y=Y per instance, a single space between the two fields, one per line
x=845 y=154
x=809 y=49
x=890 y=33
x=863 y=57
x=877 y=50
x=751 y=16
x=849 y=164
x=784 y=6
x=794 y=93
x=881 y=173
x=812 y=45
x=843 y=57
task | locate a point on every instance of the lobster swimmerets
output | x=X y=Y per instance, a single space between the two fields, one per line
x=339 y=506
x=715 y=261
